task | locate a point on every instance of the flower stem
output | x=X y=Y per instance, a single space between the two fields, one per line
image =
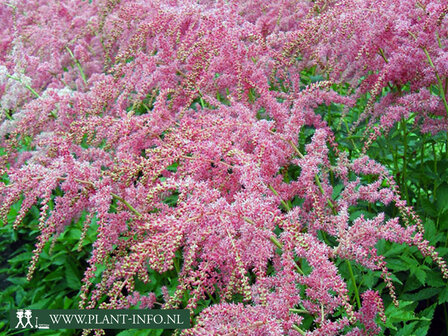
x=352 y=276
x=298 y=311
x=381 y=51
x=435 y=170
x=78 y=65
x=127 y=204
x=25 y=85
x=300 y=331
x=29 y=88
x=286 y=205
x=316 y=177
x=439 y=81
x=405 y=163
x=273 y=239
x=277 y=243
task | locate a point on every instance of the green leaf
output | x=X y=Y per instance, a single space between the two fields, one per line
x=443 y=221
x=173 y=167
x=72 y=276
x=426 y=318
x=337 y=190
x=398 y=315
x=434 y=278
x=428 y=207
x=172 y=199
x=59 y=259
x=419 y=274
x=41 y=304
x=74 y=234
x=370 y=278
x=430 y=229
x=424 y=294
x=443 y=296
x=67 y=303
x=407 y=329
x=394 y=249
x=441 y=197
x=443 y=251
x=22 y=257
x=54 y=276
x=428 y=313
x=397 y=265
x=317 y=78
x=17 y=281
x=412 y=284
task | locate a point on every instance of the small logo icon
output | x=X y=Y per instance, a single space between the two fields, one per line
x=28 y=315
x=19 y=315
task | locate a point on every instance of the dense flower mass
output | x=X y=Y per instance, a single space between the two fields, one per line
x=174 y=125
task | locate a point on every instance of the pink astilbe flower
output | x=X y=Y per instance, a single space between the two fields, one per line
x=235 y=319
x=384 y=45
x=172 y=123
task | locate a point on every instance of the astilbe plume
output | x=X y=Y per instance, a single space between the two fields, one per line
x=111 y=95
x=397 y=50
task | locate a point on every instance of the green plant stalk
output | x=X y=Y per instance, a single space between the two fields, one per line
x=10 y=5
x=439 y=81
x=25 y=85
x=330 y=121
x=276 y=242
x=381 y=51
x=211 y=297
x=352 y=276
x=286 y=205
x=300 y=331
x=446 y=85
x=130 y=207
x=351 y=138
x=395 y=155
x=176 y=265
x=78 y=65
x=299 y=311
x=446 y=145
x=435 y=169
x=439 y=42
x=322 y=313
x=329 y=202
x=29 y=88
x=405 y=162
x=422 y=156
x=316 y=177
x=8 y=116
